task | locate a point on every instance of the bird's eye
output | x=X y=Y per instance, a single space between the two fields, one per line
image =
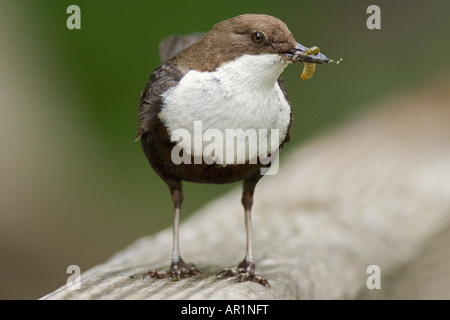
x=257 y=37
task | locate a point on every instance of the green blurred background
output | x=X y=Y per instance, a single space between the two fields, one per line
x=75 y=188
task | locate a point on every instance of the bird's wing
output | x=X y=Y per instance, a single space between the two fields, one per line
x=284 y=90
x=163 y=78
x=171 y=46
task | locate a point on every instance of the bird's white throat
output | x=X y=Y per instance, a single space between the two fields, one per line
x=241 y=94
x=251 y=72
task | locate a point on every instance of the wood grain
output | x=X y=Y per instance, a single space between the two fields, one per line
x=375 y=191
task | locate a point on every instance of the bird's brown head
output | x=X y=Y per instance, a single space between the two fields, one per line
x=251 y=34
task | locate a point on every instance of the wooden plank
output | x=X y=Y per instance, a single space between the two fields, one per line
x=374 y=192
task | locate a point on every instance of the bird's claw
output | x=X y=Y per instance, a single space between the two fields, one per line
x=244 y=272
x=177 y=270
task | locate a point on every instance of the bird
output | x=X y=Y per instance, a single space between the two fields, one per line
x=230 y=79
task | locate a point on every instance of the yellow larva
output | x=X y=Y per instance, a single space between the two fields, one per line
x=309 y=68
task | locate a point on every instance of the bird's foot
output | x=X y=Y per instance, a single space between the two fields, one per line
x=244 y=272
x=177 y=270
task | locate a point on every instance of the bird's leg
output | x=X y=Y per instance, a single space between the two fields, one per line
x=246 y=269
x=178 y=267
x=177 y=198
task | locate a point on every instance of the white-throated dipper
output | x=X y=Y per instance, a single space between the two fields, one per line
x=228 y=80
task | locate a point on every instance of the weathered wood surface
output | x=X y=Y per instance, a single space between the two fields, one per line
x=373 y=192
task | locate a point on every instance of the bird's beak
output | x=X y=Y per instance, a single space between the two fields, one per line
x=298 y=53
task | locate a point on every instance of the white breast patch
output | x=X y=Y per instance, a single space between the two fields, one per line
x=241 y=94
